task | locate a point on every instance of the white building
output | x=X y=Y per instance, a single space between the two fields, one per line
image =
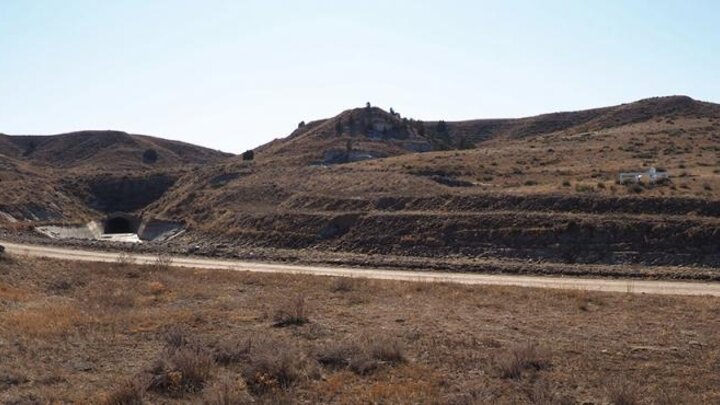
x=652 y=175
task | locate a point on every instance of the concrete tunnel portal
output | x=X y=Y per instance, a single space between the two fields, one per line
x=120 y=223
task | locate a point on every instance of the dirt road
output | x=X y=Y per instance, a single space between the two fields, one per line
x=590 y=284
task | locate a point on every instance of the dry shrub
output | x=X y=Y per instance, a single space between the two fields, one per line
x=386 y=350
x=157 y=288
x=176 y=337
x=337 y=355
x=181 y=371
x=362 y=360
x=542 y=393
x=62 y=285
x=291 y=313
x=276 y=367
x=232 y=351
x=227 y=392
x=163 y=261
x=125 y=259
x=129 y=393
x=343 y=284
x=184 y=367
x=623 y=393
x=118 y=299
x=528 y=357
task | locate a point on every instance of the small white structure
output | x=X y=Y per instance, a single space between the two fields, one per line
x=652 y=175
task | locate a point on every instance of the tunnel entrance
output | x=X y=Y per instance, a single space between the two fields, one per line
x=119 y=224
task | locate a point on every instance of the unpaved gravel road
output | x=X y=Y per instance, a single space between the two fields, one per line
x=568 y=283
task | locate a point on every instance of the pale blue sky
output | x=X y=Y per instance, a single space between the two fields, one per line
x=234 y=74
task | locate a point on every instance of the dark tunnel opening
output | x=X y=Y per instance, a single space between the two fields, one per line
x=118 y=225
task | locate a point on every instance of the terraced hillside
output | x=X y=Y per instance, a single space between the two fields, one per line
x=543 y=188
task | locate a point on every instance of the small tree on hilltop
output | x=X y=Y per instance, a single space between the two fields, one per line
x=441 y=127
x=301 y=124
x=248 y=155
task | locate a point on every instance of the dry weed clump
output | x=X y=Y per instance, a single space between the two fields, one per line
x=184 y=367
x=528 y=357
x=293 y=312
x=343 y=284
x=227 y=392
x=125 y=259
x=233 y=351
x=163 y=261
x=276 y=366
x=623 y=393
x=118 y=299
x=542 y=393
x=130 y=392
x=361 y=360
x=181 y=371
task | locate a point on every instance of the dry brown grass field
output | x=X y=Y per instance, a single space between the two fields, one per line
x=126 y=334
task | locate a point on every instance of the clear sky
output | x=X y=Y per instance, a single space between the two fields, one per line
x=234 y=74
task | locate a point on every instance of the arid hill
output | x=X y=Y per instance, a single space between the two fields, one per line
x=56 y=177
x=540 y=188
x=367 y=181
x=376 y=133
x=104 y=150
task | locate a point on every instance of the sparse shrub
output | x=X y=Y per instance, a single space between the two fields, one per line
x=707 y=187
x=531 y=183
x=275 y=366
x=163 y=261
x=542 y=393
x=387 y=350
x=361 y=360
x=584 y=188
x=601 y=185
x=623 y=393
x=566 y=183
x=181 y=371
x=343 y=284
x=292 y=312
x=248 y=155
x=337 y=355
x=125 y=259
x=157 y=288
x=128 y=393
x=636 y=188
x=520 y=359
x=118 y=299
x=233 y=351
x=227 y=392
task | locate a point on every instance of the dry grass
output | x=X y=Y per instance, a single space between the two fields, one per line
x=207 y=337
x=48 y=319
